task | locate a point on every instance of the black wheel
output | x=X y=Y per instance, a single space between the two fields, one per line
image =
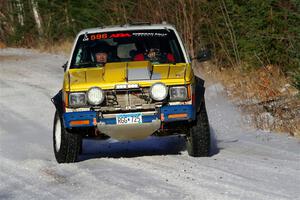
x=66 y=145
x=198 y=138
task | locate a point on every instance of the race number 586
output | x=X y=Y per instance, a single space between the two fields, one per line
x=99 y=36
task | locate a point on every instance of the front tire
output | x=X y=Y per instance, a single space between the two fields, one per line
x=198 y=139
x=66 y=145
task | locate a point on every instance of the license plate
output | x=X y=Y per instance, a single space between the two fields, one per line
x=129 y=118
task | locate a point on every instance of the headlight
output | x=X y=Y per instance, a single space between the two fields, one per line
x=95 y=96
x=158 y=91
x=77 y=99
x=178 y=93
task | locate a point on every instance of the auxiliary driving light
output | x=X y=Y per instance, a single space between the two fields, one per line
x=158 y=91
x=95 y=96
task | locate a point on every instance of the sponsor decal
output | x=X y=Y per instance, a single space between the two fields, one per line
x=150 y=34
x=103 y=36
x=86 y=38
x=120 y=35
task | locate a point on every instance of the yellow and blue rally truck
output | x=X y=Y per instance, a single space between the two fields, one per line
x=129 y=82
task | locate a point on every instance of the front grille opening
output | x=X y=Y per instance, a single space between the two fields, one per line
x=127 y=98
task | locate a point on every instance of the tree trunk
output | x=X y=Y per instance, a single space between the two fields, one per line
x=20 y=12
x=37 y=17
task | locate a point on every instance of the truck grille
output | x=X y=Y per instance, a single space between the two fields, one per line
x=127 y=99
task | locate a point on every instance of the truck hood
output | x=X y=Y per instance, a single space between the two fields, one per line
x=141 y=72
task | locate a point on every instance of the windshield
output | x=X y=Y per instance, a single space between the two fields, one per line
x=156 y=46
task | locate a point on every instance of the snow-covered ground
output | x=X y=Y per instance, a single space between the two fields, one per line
x=244 y=164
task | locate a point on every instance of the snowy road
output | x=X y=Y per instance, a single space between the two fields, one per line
x=245 y=163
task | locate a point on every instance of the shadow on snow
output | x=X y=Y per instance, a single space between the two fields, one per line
x=167 y=145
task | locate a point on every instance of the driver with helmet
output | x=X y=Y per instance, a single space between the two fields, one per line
x=101 y=57
x=155 y=55
x=101 y=54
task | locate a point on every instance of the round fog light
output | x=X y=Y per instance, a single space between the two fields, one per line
x=158 y=91
x=95 y=96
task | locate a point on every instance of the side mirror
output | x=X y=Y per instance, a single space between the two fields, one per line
x=204 y=55
x=65 y=66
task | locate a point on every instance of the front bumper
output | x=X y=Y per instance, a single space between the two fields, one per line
x=164 y=114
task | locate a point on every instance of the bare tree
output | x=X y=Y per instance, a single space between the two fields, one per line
x=20 y=11
x=37 y=17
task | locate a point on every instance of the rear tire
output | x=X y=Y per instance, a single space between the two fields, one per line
x=66 y=145
x=198 y=140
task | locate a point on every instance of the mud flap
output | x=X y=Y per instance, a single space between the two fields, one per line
x=58 y=103
x=199 y=92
